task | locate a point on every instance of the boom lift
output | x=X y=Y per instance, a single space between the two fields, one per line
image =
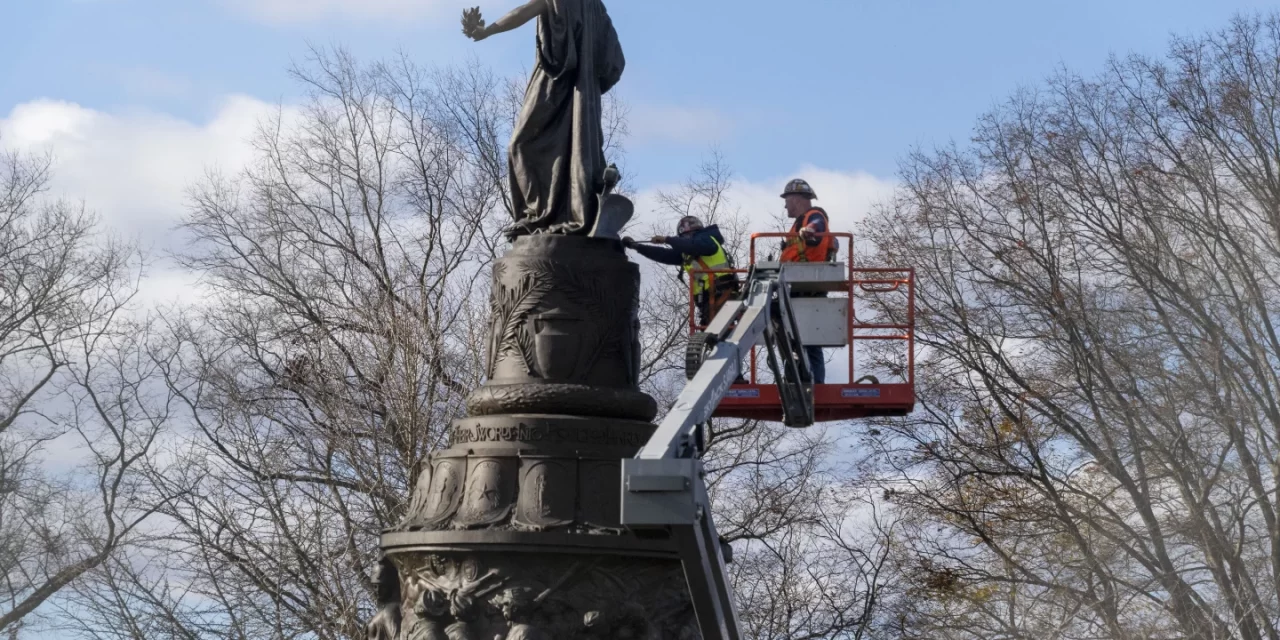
x=663 y=487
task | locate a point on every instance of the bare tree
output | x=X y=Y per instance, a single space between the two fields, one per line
x=349 y=268
x=348 y=320
x=1095 y=452
x=72 y=375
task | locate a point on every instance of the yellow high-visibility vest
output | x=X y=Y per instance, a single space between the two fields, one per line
x=717 y=260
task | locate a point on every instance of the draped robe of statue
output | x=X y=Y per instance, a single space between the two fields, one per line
x=556 y=155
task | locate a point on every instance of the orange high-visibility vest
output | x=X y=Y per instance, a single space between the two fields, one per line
x=796 y=250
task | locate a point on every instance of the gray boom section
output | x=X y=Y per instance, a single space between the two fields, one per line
x=703 y=393
x=664 y=485
x=672 y=494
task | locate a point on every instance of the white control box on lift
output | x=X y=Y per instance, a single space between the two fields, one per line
x=822 y=321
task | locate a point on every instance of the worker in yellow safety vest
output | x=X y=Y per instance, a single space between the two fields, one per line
x=696 y=247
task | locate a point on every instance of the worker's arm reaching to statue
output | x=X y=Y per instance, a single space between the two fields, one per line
x=474 y=27
x=700 y=246
x=700 y=250
x=661 y=255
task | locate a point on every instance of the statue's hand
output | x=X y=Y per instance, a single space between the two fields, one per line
x=473 y=24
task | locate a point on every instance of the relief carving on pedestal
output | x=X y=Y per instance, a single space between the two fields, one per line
x=559 y=320
x=489 y=495
x=454 y=597
x=542 y=432
x=419 y=498
x=546 y=496
x=443 y=481
x=385 y=624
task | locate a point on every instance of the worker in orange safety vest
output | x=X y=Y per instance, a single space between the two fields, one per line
x=811 y=242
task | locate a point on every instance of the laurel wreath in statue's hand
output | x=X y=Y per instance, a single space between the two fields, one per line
x=473 y=24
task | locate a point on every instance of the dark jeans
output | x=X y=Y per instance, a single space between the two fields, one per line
x=817 y=364
x=703 y=302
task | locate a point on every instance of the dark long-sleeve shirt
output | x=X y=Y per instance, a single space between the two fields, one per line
x=701 y=244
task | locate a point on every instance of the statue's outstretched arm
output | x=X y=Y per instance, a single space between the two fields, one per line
x=516 y=18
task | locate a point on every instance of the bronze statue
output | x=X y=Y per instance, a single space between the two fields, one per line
x=514 y=531
x=560 y=181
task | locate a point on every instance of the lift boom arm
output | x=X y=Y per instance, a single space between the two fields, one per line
x=664 y=486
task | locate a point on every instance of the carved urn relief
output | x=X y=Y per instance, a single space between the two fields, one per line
x=514 y=530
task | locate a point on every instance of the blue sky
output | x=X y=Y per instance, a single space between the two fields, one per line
x=842 y=84
x=137 y=98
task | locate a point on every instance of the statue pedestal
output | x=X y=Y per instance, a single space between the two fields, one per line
x=514 y=530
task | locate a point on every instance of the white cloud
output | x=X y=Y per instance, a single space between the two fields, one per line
x=683 y=125
x=168 y=286
x=134 y=168
x=308 y=11
x=846 y=196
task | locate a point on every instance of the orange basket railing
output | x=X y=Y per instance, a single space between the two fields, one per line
x=867 y=280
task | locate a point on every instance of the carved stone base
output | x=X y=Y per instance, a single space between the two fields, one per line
x=528 y=473
x=569 y=399
x=519 y=596
x=514 y=531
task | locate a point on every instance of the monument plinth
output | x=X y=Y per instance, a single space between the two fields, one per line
x=514 y=531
